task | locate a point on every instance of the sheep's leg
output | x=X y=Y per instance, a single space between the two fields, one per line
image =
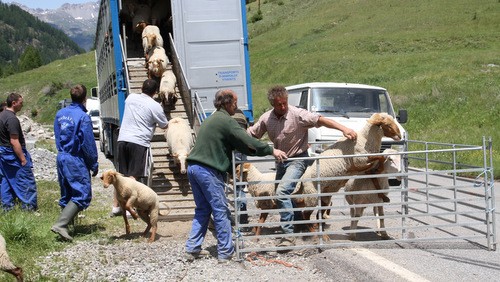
x=257 y=229
x=372 y=161
x=125 y=219
x=129 y=206
x=379 y=211
x=354 y=223
x=144 y=215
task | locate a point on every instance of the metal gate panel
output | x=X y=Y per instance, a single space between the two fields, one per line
x=434 y=203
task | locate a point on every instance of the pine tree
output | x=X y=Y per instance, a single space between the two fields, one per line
x=30 y=59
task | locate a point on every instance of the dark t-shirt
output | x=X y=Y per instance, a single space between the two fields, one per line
x=9 y=124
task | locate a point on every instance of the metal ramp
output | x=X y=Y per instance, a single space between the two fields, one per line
x=166 y=180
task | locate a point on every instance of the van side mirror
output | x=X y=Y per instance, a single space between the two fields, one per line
x=402 y=116
x=94 y=92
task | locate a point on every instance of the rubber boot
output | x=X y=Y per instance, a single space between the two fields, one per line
x=67 y=215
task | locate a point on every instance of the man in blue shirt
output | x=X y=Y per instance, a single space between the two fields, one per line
x=77 y=155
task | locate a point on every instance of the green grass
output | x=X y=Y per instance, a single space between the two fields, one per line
x=438 y=59
x=44 y=87
x=28 y=236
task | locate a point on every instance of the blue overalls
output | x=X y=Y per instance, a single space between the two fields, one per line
x=77 y=154
x=17 y=180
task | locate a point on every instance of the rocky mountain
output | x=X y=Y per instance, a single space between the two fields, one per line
x=78 y=21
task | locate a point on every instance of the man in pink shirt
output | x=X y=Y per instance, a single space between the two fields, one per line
x=287 y=127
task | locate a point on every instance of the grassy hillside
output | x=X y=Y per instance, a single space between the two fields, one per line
x=44 y=87
x=438 y=59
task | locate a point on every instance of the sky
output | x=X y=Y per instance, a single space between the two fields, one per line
x=46 y=4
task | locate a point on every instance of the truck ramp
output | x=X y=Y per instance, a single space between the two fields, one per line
x=172 y=187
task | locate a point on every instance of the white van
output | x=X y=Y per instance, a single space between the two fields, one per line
x=93 y=110
x=348 y=104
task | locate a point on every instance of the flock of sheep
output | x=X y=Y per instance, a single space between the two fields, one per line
x=149 y=19
x=369 y=141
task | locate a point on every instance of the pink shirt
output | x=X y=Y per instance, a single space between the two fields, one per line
x=289 y=132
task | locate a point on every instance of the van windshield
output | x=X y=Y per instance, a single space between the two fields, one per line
x=359 y=102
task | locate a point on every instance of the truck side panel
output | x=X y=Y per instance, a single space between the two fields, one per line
x=111 y=82
x=211 y=39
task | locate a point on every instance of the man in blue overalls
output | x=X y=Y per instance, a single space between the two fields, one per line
x=18 y=180
x=77 y=155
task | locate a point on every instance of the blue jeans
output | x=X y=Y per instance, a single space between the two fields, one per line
x=17 y=181
x=291 y=171
x=207 y=185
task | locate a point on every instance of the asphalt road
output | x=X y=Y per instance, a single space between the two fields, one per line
x=459 y=260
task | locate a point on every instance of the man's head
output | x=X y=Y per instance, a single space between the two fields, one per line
x=278 y=98
x=15 y=101
x=226 y=99
x=149 y=87
x=78 y=93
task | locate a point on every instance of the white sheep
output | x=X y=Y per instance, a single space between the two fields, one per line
x=369 y=140
x=392 y=164
x=251 y=174
x=5 y=263
x=179 y=140
x=134 y=196
x=166 y=93
x=157 y=62
x=151 y=38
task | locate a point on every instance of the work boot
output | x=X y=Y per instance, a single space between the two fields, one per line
x=67 y=215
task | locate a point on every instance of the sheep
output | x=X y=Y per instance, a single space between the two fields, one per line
x=251 y=174
x=166 y=93
x=133 y=194
x=179 y=140
x=391 y=164
x=369 y=140
x=5 y=263
x=151 y=38
x=157 y=62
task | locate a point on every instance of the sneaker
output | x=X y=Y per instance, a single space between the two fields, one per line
x=225 y=260
x=285 y=242
x=116 y=211
x=196 y=255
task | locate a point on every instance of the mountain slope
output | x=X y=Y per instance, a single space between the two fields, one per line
x=438 y=59
x=18 y=29
x=78 y=21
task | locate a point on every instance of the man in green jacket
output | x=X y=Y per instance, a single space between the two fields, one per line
x=208 y=163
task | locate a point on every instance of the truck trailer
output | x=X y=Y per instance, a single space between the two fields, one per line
x=207 y=45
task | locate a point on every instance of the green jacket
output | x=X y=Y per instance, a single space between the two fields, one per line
x=218 y=136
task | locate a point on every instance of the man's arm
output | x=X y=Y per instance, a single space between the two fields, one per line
x=16 y=146
x=348 y=133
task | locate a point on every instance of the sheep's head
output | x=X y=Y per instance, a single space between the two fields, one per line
x=388 y=125
x=155 y=67
x=108 y=178
x=151 y=40
x=140 y=26
x=246 y=169
x=392 y=163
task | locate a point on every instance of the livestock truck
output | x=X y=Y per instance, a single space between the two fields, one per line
x=207 y=44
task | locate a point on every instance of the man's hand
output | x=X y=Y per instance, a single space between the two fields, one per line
x=94 y=173
x=279 y=155
x=350 y=134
